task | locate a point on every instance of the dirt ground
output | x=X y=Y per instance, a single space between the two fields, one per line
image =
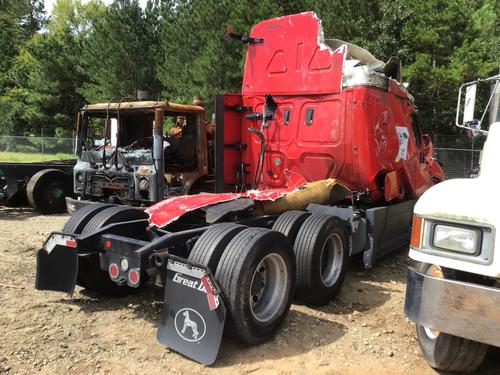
x=363 y=332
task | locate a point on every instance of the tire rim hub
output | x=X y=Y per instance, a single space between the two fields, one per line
x=268 y=288
x=331 y=259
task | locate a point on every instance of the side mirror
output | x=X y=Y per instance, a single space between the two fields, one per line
x=470 y=104
x=472 y=125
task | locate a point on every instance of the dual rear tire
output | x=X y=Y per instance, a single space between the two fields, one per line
x=255 y=268
x=260 y=270
x=90 y=219
x=322 y=253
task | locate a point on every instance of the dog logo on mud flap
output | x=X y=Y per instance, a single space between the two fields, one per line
x=189 y=324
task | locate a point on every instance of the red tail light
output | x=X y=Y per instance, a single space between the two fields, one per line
x=134 y=277
x=70 y=243
x=113 y=271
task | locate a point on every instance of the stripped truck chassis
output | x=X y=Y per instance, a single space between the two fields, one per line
x=164 y=257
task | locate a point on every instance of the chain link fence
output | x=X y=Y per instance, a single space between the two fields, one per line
x=458 y=155
x=37 y=145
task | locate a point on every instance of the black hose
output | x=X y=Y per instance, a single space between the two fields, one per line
x=260 y=162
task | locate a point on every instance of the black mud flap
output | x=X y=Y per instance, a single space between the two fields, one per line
x=192 y=320
x=57 y=264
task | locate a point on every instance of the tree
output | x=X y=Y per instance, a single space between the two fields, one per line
x=46 y=75
x=446 y=46
x=119 y=55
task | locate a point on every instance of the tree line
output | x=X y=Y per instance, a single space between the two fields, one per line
x=50 y=66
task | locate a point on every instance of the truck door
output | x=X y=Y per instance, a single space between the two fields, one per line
x=229 y=170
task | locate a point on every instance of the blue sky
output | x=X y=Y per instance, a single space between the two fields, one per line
x=50 y=3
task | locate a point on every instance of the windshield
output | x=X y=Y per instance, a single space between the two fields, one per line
x=133 y=137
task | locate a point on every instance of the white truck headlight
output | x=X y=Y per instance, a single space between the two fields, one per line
x=459 y=239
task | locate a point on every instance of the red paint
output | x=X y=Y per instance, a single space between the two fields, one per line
x=113 y=270
x=352 y=136
x=133 y=277
x=353 y=133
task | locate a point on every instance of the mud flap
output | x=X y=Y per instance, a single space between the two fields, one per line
x=192 y=320
x=57 y=264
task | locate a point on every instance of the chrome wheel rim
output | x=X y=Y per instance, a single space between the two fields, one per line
x=332 y=257
x=268 y=288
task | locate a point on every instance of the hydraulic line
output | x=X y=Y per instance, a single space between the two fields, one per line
x=260 y=162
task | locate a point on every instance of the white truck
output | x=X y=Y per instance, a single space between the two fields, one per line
x=454 y=295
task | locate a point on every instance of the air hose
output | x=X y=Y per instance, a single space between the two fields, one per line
x=260 y=162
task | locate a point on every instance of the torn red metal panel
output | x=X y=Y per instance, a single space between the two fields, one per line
x=293 y=59
x=169 y=210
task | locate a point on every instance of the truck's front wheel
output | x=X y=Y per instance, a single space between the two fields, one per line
x=450 y=353
x=447 y=352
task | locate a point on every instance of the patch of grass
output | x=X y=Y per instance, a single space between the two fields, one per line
x=20 y=157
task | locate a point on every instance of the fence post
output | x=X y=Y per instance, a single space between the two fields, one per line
x=42 y=142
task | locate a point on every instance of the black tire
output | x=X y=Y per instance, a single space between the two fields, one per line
x=114 y=214
x=47 y=189
x=208 y=249
x=447 y=352
x=322 y=254
x=90 y=275
x=81 y=217
x=249 y=252
x=289 y=224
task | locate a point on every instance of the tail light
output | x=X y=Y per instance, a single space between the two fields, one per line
x=134 y=277
x=113 y=271
x=416 y=232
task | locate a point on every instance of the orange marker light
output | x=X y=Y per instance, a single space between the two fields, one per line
x=416 y=232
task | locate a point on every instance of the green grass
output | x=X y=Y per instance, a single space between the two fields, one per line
x=20 y=157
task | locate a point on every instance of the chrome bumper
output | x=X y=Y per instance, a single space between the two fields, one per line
x=458 y=308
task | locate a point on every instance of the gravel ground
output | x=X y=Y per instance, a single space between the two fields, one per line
x=363 y=332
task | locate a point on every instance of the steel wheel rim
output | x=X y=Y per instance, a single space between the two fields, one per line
x=268 y=288
x=431 y=333
x=332 y=257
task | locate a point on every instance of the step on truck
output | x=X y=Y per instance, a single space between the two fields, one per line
x=319 y=159
x=140 y=152
x=453 y=296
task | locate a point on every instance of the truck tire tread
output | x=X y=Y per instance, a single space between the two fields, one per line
x=234 y=273
x=208 y=249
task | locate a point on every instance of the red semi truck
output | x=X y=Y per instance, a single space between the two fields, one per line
x=319 y=159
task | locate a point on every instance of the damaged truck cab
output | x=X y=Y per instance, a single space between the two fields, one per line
x=454 y=295
x=320 y=158
x=138 y=153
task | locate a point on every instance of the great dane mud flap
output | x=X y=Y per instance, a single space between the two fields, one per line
x=192 y=320
x=57 y=264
